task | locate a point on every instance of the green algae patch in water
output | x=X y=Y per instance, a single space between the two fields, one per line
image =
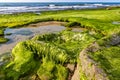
x=1 y=31
x=3 y=40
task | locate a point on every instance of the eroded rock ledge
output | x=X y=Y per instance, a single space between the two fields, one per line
x=91 y=69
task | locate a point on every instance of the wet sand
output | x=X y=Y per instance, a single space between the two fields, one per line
x=27 y=32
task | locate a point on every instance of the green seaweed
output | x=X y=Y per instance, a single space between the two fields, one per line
x=46 y=55
x=1 y=31
x=3 y=40
x=51 y=51
x=109 y=60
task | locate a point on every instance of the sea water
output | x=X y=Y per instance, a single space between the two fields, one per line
x=9 y=8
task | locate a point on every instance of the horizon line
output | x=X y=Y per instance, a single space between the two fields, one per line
x=61 y=1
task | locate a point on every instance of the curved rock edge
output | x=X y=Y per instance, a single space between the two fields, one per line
x=91 y=69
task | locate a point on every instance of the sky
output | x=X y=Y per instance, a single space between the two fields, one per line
x=59 y=0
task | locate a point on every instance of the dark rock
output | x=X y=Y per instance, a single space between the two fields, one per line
x=109 y=8
x=115 y=40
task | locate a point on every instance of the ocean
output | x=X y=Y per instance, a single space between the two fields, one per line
x=9 y=8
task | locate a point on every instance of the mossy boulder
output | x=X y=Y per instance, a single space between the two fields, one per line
x=23 y=63
x=44 y=57
x=28 y=57
x=49 y=70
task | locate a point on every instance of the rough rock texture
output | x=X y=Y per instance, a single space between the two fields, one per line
x=93 y=47
x=115 y=40
x=71 y=67
x=76 y=75
x=90 y=67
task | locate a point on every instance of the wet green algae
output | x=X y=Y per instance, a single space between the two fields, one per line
x=108 y=59
x=90 y=19
x=46 y=55
x=2 y=39
x=108 y=56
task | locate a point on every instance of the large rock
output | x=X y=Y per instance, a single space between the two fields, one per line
x=88 y=66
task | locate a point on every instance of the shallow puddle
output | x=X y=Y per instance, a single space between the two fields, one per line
x=16 y=35
x=22 y=34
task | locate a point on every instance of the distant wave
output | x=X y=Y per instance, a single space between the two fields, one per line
x=9 y=8
x=98 y=4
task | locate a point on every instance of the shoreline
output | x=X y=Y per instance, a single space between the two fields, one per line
x=46 y=23
x=56 y=8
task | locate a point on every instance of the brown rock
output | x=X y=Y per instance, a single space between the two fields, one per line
x=76 y=75
x=71 y=67
x=90 y=67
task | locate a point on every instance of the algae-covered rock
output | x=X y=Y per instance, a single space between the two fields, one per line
x=45 y=70
x=43 y=57
x=61 y=72
x=29 y=55
x=23 y=62
x=49 y=70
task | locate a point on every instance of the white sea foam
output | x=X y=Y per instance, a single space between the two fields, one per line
x=98 y=4
x=13 y=9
